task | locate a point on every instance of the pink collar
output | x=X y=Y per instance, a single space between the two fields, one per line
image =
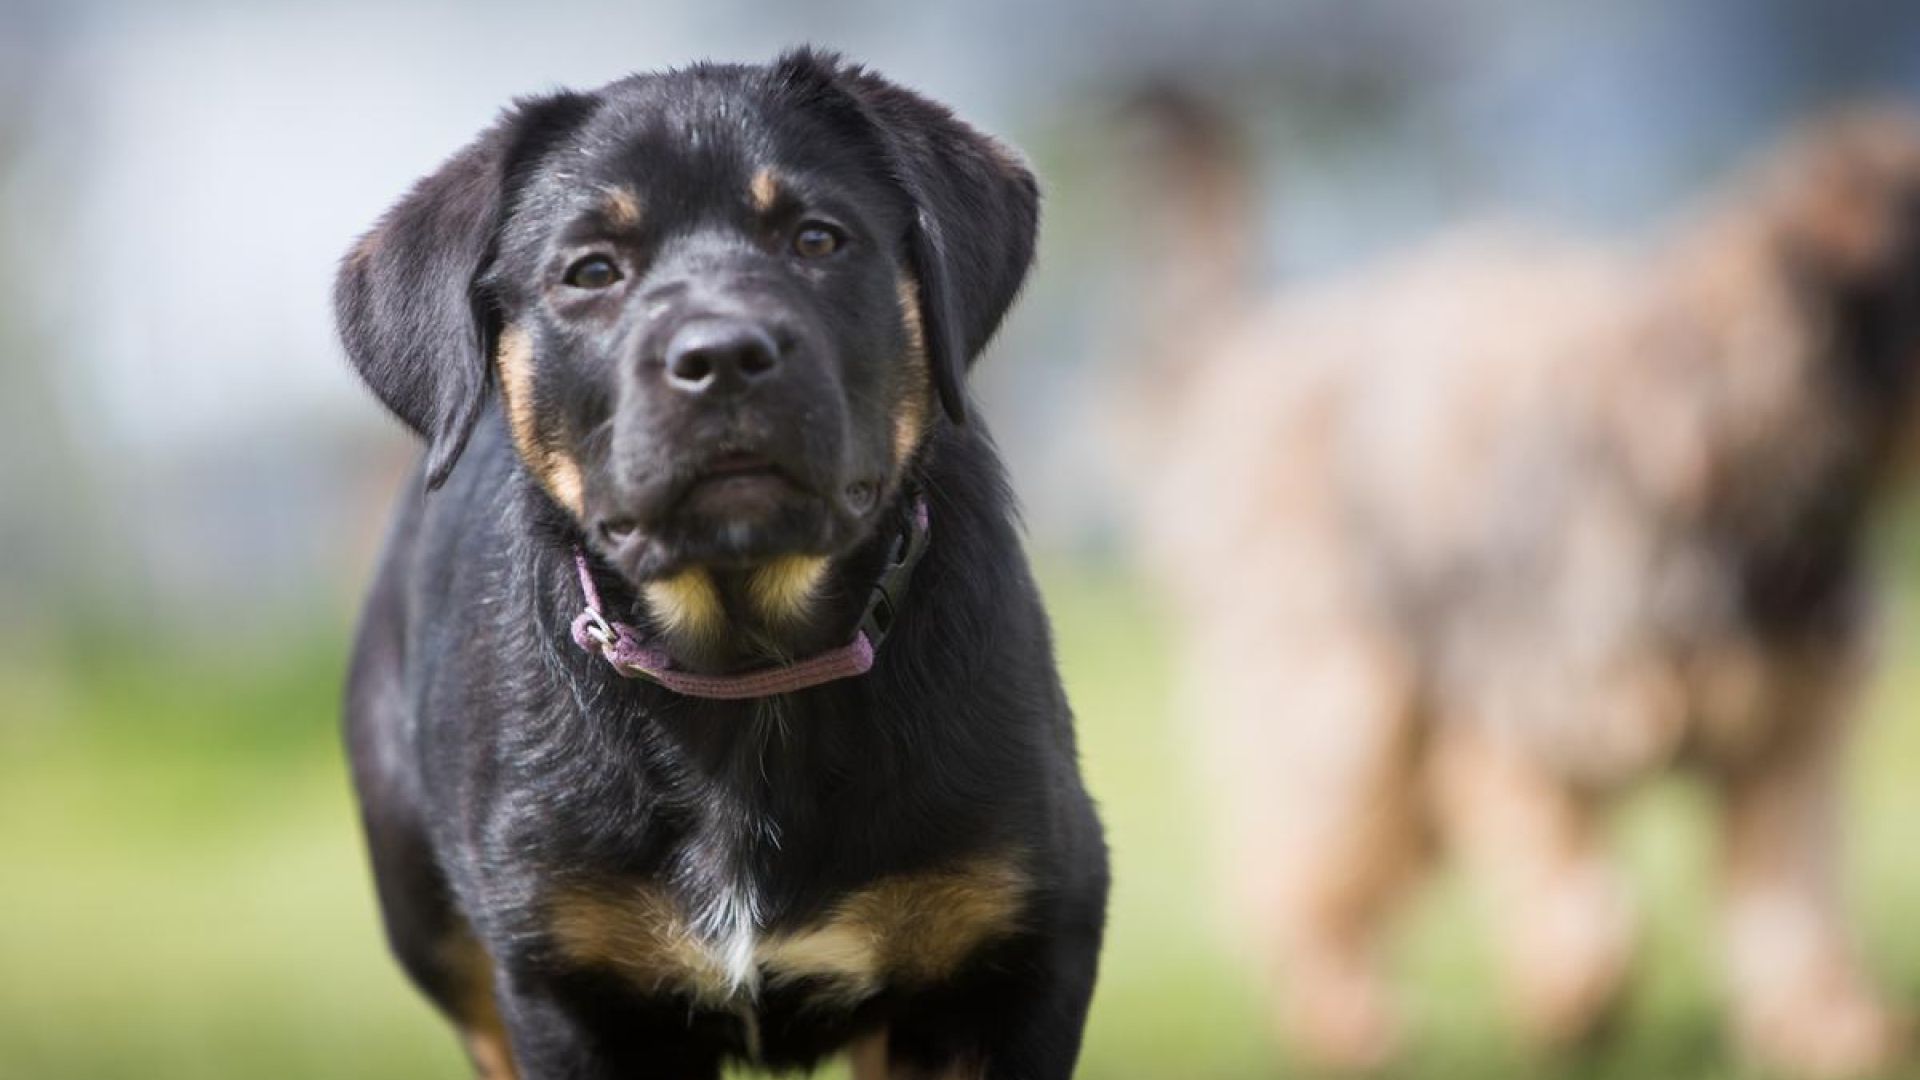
x=635 y=656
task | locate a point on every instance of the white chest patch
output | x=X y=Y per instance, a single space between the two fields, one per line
x=730 y=929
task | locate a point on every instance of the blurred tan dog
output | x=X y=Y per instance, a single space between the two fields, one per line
x=1463 y=546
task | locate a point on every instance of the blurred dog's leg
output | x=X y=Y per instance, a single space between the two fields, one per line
x=1321 y=819
x=867 y=1056
x=1562 y=915
x=1801 y=1003
x=867 y=1060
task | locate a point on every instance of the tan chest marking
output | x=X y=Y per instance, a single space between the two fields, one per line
x=906 y=930
x=640 y=933
x=687 y=603
x=784 y=588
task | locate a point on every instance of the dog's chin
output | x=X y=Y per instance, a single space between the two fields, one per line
x=734 y=523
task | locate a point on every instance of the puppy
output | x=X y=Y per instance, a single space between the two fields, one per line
x=704 y=709
x=1467 y=544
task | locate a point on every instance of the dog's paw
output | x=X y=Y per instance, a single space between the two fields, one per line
x=1569 y=955
x=1341 y=1017
x=1836 y=1029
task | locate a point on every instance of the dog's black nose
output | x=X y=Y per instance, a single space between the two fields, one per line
x=718 y=356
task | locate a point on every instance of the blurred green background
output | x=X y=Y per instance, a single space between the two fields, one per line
x=184 y=894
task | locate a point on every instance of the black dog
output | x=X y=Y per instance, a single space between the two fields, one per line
x=726 y=314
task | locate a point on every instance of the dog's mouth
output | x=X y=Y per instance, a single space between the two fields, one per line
x=736 y=482
x=735 y=505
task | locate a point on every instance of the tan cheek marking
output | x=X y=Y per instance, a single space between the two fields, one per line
x=557 y=471
x=686 y=603
x=622 y=208
x=910 y=423
x=639 y=933
x=563 y=480
x=763 y=189
x=783 y=588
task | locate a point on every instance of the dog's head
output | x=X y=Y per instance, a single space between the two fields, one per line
x=1844 y=203
x=719 y=305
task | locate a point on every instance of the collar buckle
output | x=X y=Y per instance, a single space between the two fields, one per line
x=877 y=620
x=599 y=629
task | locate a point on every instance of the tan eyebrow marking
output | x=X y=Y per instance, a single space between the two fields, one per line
x=622 y=207
x=763 y=190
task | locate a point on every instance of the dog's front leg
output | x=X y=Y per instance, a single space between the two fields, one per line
x=1562 y=915
x=1802 y=1002
x=1023 y=1027
x=584 y=1028
x=550 y=1037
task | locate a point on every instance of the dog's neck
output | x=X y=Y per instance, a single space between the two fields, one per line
x=722 y=620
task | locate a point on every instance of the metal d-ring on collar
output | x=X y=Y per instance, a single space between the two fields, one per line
x=635 y=656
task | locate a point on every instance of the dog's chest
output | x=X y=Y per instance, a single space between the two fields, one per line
x=903 y=931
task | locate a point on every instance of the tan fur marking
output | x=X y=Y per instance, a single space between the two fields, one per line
x=687 y=603
x=557 y=471
x=867 y=1056
x=845 y=955
x=490 y=1056
x=783 y=588
x=478 y=1014
x=763 y=189
x=622 y=207
x=914 y=928
x=639 y=933
x=910 y=422
x=925 y=925
x=867 y=1060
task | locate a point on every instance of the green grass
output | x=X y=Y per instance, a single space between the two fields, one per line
x=182 y=892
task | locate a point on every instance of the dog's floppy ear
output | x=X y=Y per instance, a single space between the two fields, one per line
x=412 y=313
x=976 y=211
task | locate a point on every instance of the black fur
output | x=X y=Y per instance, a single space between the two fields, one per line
x=411 y=311
x=497 y=763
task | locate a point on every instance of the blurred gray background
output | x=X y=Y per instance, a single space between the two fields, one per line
x=180 y=438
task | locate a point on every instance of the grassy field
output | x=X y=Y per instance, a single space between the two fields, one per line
x=182 y=891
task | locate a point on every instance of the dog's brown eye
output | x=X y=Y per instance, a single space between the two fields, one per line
x=592 y=272
x=816 y=240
